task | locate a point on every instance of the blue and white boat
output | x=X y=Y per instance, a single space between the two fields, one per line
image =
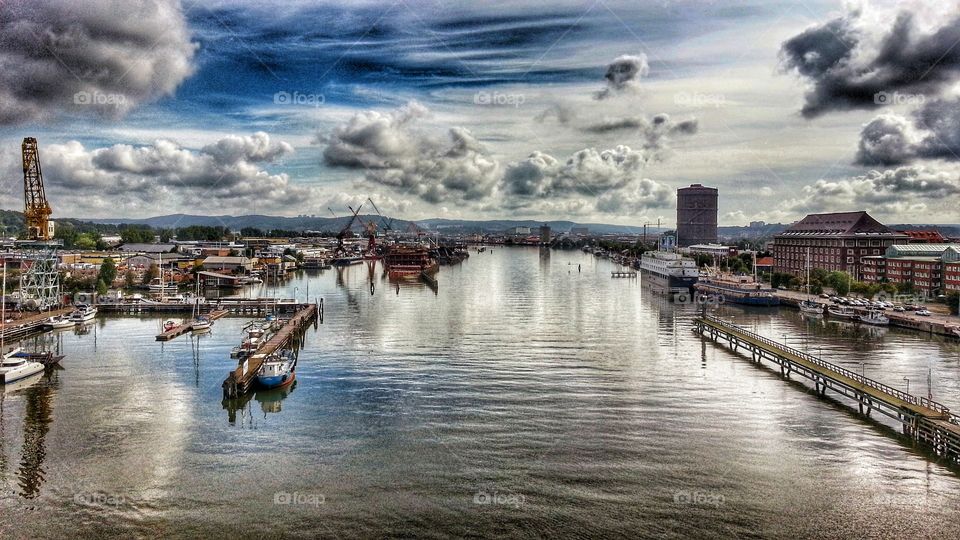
x=279 y=369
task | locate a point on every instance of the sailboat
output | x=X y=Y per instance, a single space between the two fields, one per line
x=201 y=323
x=807 y=305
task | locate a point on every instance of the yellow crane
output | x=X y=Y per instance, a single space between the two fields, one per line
x=36 y=212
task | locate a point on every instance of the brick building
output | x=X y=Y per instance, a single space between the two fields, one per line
x=836 y=242
x=928 y=268
x=696 y=215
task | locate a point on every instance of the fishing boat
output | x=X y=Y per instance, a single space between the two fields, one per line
x=59 y=322
x=876 y=318
x=842 y=312
x=279 y=369
x=83 y=313
x=14 y=366
x=813 y=308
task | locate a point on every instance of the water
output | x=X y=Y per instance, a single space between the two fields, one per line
x=523 y=398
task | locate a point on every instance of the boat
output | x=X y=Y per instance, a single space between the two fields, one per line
x=842 y=312
x=59 y=322
x=14 y=366
x=201 y=323
x=667 y=271
x=811 y=307
x=83 y=313
x=409 y=260
x=278 y=369
x=738 y=290
x=169 y=325
x=875 y=317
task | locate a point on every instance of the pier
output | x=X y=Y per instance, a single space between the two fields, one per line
x=181 y=329
x=32 y=324
x=240 y=380
x=234 y=306
x=923 y=420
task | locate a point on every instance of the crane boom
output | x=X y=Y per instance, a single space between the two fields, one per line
x=36 y=211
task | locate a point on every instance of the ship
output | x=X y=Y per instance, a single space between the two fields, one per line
x=875 y=317
x=811 y=307
x=669 y=272
x=409 y=260
x=842 y=312
x=738 y=290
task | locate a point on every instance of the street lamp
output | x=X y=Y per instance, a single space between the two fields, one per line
x=908 y=384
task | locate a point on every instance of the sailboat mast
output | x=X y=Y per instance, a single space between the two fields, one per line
x=3 y=306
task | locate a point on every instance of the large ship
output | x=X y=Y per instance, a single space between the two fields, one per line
x=413 y=260
x=738 y=290
x=668 y=271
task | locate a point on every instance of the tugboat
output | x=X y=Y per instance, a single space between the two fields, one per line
x=279 y=369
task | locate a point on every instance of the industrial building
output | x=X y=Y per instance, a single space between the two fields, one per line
x=696 y=215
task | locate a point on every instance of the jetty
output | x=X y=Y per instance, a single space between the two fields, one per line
x=240 y=380
x=187 y=326
x=35 y=323
x=923 y=420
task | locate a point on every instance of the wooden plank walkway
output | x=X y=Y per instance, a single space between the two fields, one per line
x=240 y=380
x=924 y=420
x=187 y=326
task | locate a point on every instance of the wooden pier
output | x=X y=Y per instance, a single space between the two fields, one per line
x=923 y=420
x=182 y=329
x=240 y=380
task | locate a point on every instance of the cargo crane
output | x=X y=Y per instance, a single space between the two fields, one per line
x=344 y=232
x=387 y=224
x=36 y=212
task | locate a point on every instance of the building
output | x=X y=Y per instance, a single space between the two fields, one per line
x=696 y=215
x=922 y=266
x=544 y=234
x=925 y=237
x=518 y=231
x=228 y=264
x=579 y=231
x=713 y=250
x=148 y=248
x=835 y=242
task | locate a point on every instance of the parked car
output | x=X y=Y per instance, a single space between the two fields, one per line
x=899 y=309
x=922 y=312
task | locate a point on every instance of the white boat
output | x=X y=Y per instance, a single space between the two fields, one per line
x=842 y=312
x=83 y=313
x=14 y=367
x=813 y=308
x=200 y=324
x=59 y=322
x=668 y=271
x=876 y=318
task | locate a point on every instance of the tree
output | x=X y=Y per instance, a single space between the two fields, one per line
x=108 y=271
x=101 y=287
x=85 y=241
x=152 y=273
x=130 y=279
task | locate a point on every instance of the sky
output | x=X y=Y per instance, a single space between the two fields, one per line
x=587 y=111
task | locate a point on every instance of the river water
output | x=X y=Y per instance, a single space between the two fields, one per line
x=530 y=395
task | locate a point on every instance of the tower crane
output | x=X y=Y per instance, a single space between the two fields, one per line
x=36 y=212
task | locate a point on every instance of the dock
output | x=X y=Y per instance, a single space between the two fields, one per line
x=32 y=324
x=234 y=306
x=240 y=380
x=923 y=420
x=181 y=329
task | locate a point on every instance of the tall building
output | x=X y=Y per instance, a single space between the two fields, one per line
x=836 y=242
x=696 y=215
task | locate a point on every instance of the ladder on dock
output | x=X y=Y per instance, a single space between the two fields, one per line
x=924 y=420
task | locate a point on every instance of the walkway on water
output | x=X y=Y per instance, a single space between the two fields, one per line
x=925 y=421
x=187 y=326
x=240 y=380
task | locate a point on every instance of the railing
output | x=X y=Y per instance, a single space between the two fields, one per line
x=899 y=394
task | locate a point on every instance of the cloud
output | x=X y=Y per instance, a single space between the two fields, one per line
x=655 y=131
x=131 y=180
x=101 y=56
x=933 y=132
x=624 y=74
x=391 y=153
x=889 y=192
x=851 y=59
x=613 y=177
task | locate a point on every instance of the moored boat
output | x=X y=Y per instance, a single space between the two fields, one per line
x=738 y=290
x=83 y=313
x=667 y=271
x=813 y=308
x=876 y=318
x=59 y=322
x=842 y=312
x=279 y=369
x=412 y=260
x=14 y=366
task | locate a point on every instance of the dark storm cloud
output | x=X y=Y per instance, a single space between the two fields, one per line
x=623 y=74
x=847 y=71
x=98 y=56
x=932 y=132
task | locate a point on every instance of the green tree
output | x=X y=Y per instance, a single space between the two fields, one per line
x=85 y=241
x=101 y=287
x=108 y=271
x=152 y=273
x=130 y=279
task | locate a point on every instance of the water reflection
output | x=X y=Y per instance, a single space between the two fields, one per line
x=270 y=403
x=37 y=393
